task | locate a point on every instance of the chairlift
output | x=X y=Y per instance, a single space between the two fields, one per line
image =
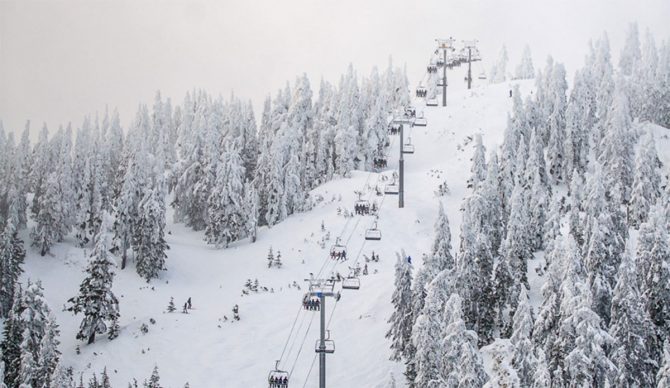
x=431 y=102
x=338 y=251
x=329 y=345
x=420 y=120
x=351 y=283
x=311 y=303
x=373 y=234
x=392 y=188
x=440 y=81
x=408 y=148
x=278 y=378
x=362 y=207
x=421 y=91
x=410 y=111
x=482 y=75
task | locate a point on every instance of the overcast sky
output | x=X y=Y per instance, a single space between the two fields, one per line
x=60 y=60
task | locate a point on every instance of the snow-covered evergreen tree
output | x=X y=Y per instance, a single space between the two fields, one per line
x=428 y=328
x=95 y=299
x=653 y=268
x=478 y=169
x=663 y=375
x=588 y=364
x=401 y=320
x=149 y=242
x=525 y=69
x=522 y=330
x=646 y=182
x=12 y=254
x=48 y=226
x=499 y=70
x=251 y=211
x=631 y=53
x=632 y=331
x=462 y=364
x=226 y=219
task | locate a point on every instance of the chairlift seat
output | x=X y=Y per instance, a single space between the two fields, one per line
x=329 y=346
x=338 y=249
x=277 y=375
x=351 y=283
x=408 y=148
x=391 y=189
x=373 y=234
x=431 y=102
x=420 y=122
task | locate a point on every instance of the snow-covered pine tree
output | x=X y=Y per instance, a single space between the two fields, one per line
x=149 y=240
x=428 y=328
x=11 y=340
x=525 y=69
x=588 y=364
x=226 y=219
x=38 y=348
x=633 y=332
x=552 y=226
x=653 y=268
x=478 y=169
x=49 y=355
x=631 y=53
x=12 y=254
x=474 y=264
x=401 y=320
x=126 y=211
x=541 y=375
x=40 y=168
x=499 y=70
x=617 y=148
x=663 y=375
x=440 y=257
x=524 y=360
x=251 y=203
x=48 y=224
x=462 y=364
x=646 y=182
x=95 y=299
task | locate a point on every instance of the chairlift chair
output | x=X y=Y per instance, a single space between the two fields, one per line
x=440 y=81
x=373 y=234
x=351 y=283
x=482 y=75
x=392 y=188
x=277 y=375
x=410 y=111
x=329 y=345
x=338 y=250
x=408 y=148
x=420 y=121
x=431 y=102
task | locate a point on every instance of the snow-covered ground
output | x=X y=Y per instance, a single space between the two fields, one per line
x=206 y=351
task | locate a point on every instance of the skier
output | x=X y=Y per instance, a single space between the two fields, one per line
x=185 y=310
x=189 y=303
x=236 y=311
x=365 y=269
x=409 y=259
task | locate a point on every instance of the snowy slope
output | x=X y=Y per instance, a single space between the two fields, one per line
x=205 y=351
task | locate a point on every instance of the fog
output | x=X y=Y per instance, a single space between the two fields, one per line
x=61 y=60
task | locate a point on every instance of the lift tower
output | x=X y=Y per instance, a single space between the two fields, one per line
x=402 y=120
x=444 y=45
x=322 y=288
x=473 y=55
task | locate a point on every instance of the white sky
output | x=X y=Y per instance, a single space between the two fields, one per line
x=62 y=59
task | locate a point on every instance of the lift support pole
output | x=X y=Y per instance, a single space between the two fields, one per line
x=322 y=344
x=321 y=294
x=444 y=45
x=401 y=171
